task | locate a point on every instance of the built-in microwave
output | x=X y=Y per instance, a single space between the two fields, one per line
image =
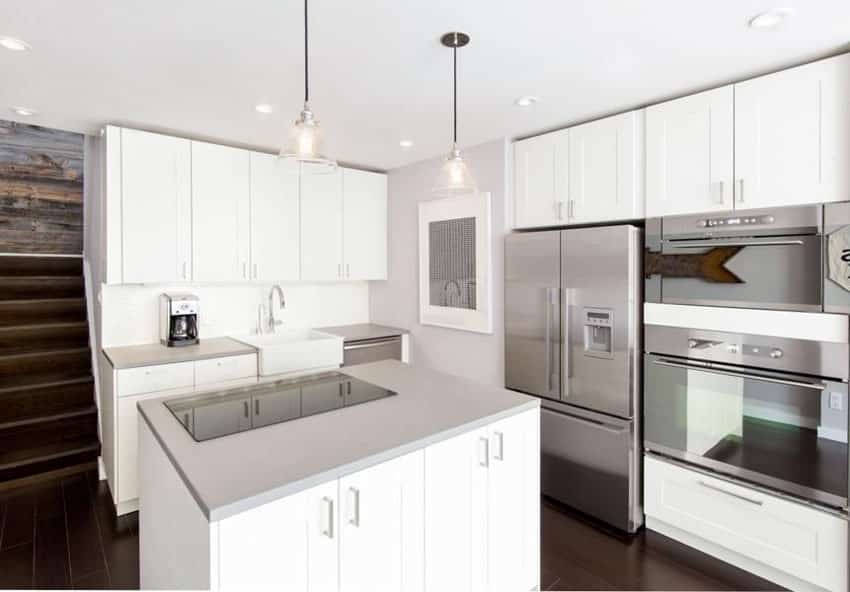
x=795 y=258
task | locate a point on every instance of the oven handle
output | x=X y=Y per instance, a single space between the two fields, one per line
x=710 y=370
x=707 y=244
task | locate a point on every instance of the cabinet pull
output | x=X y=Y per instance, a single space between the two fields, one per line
x=244 y=270
x=256 y=406
x=483 y=451
x=339 y=270
x=354 y=506
x=720 y=191
x=740 y=195
x=571 y=213
x=255 y=271
x=349 y=387
x=731 y=493
x=347 y=270
x=499 y=452
x=340 y=389
x=560 y=207
x=327 y=526
x=184 y=270
x=245 y=406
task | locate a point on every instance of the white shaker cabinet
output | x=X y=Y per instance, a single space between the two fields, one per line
x=220 y=213
x=364 y=213
x=541 y=174
x=792 y=136
x=606 y=164
x=381 y=527
x=275 y=240
x=689 y=154
x=321 y=226
x=148 y=207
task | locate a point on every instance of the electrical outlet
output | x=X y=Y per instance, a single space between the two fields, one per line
x=836 y=401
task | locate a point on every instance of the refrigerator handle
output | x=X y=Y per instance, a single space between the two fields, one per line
x=548 y=295
x=565 y=345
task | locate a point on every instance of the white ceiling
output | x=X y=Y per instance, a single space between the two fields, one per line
x=379 y=75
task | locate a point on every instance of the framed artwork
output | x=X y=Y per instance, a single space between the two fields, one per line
x=455 y=263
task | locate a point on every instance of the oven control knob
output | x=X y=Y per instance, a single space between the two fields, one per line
x=776 y=353
x=732 y=349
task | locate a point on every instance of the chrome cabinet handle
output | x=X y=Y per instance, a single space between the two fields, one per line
x=256 y=406
x=744 y=375
x=244 y=270
x=720 y=190
x=571 y=210
x=708 y=244
x=327 y=526
x=560 y=206
x=483 y=451
x=565 y=344
x=347 y=270
x=499 y=452
x=184 y=270
x=731 y=493
x=255 y=271
x=339 y=270
x=740 y=196
x=245 y=406
x=354 y=506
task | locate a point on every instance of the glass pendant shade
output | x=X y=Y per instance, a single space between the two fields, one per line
x=454 y=178
x=305 y=144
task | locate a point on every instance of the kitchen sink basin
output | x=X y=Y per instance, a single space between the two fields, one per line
x=294 y=350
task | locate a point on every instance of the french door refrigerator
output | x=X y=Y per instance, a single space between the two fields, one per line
x=572 y=337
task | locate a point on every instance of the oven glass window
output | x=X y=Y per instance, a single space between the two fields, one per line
x=787 y=437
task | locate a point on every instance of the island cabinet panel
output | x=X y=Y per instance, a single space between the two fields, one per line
x=381 y=527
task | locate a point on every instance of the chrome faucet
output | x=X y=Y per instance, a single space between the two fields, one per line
x=274 y=323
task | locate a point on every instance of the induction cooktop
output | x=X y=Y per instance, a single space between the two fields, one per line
x=221 y=413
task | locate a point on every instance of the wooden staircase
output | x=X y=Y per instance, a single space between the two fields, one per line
x=48 y=417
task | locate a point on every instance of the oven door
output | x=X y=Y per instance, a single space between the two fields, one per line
x=780 y=273
x=780 y=430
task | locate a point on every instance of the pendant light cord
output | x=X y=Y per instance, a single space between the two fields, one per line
x=454 y=100
x=306 y=59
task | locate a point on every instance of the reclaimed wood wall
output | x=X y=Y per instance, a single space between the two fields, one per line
x=41 y=190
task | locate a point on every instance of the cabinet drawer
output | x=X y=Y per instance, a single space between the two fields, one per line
x=785 y=536
x=224 y=369
x=149 y=379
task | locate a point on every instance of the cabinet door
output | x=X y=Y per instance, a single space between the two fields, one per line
x=323 y=537
x=606 y=169
x=266 y=548
x=155 y=208
x=514 y=503
x=364 y=226
x=274 y=219
x=128 y=446
x=792 y=144
x=689 y=154
x=321 y=226
x=220 y=205
x=541 y=168
x=381 y=527
x=456 y=513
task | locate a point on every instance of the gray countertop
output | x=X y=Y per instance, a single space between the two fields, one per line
x=133 y=356
x=362 y=331
x=235 y=473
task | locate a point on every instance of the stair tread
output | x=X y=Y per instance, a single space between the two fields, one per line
x=90 y=409
x=25 y=456
x=22 y=266
x=65 y=382
x=43 y=326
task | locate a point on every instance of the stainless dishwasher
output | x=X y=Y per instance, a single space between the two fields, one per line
x=371 y=350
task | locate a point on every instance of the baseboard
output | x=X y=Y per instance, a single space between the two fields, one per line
x=754 y=567
x=127 y=507
x=101 y=469
x=832 y=434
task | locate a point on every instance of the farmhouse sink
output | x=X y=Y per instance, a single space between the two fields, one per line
x=295 y=350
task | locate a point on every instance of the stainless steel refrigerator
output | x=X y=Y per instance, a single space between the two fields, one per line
x=572 y=337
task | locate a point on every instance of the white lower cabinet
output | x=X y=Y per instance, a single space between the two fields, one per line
x=790 y=543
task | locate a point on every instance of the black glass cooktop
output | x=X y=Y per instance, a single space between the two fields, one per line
x=221 y=413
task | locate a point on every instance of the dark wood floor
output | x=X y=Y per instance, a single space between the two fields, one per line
x=64 y=534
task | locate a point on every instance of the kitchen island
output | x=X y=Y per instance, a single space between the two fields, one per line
x=432 y=487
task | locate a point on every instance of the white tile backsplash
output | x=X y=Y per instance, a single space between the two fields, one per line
x=130 y=314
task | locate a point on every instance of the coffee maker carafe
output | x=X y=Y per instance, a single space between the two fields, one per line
x=178 y=317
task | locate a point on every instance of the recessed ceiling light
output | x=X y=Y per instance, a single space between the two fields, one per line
x=264 y=108
x=406 y=144
x=526 y=101
x=771 y=19
x=24 y=111
x=13 y=44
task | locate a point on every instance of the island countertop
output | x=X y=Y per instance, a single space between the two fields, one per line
x=231 y=474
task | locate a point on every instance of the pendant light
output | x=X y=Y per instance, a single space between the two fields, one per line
x=305 y=137
x=455 y=178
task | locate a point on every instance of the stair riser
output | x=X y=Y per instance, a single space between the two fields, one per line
x=44 y=401
x=43 y=368
x=18 y=341
x=22 y=266
x=88 y=458
x=24 y=437
x=23 y=288
x=16 y=313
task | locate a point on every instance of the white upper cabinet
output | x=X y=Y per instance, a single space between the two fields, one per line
x=364 y=207
x=689 y=148
x=321 y=226
x=220 y=213
x=149 y=210
x=275 y=241
x=541 y=169
x=606 y=169
x=792 y=136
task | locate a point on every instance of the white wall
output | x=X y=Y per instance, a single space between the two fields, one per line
x=130 y=314
x=396 y=301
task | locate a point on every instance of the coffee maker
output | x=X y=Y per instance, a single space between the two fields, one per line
x=178 y=319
